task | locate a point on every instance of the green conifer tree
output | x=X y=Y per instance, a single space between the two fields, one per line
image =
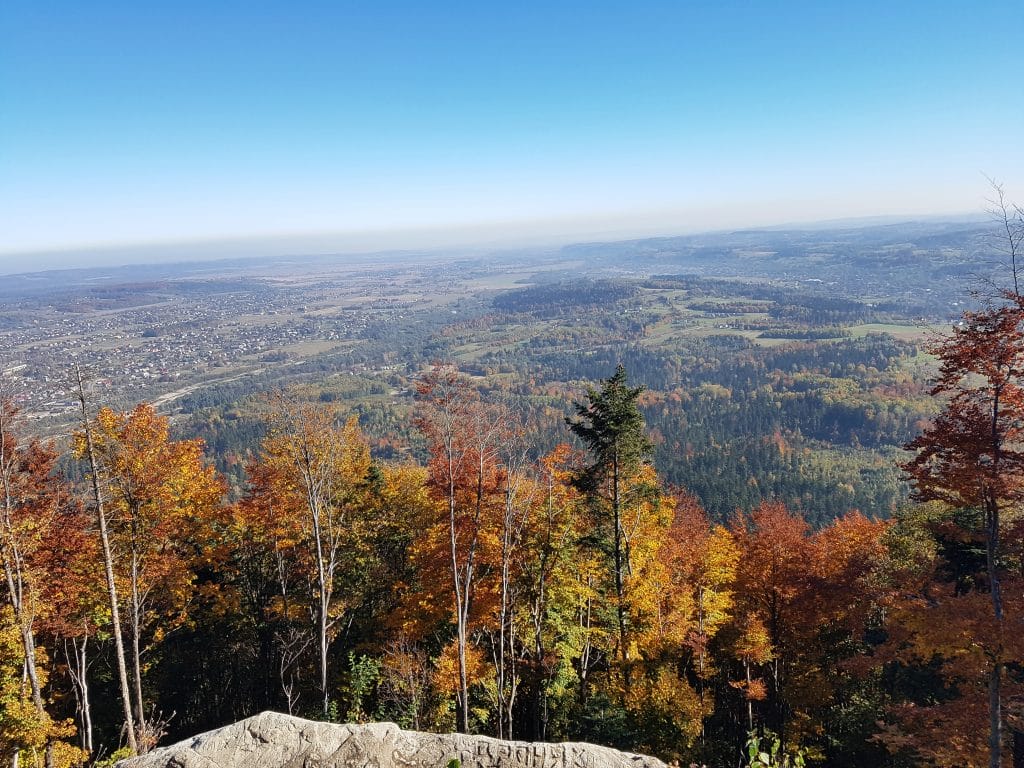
x=612 y=427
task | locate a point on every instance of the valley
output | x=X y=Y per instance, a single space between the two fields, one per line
x=779 y=364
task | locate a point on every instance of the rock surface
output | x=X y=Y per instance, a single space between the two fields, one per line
x=273 y=740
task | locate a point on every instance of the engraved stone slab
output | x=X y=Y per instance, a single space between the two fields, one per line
x=273 y=740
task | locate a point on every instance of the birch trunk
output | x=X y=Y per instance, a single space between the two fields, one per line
x=108 y=564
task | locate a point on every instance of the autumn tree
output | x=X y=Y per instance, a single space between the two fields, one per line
x=23 y=726
x=34 y=499
x=661 y=698
x=160 y=494
x=28 y=491
x=774 y=547
x=85 y=449
x=263 y=563
x=321 y=470
x=406 y=684
x=803 y=602
x=77 y=613
x=971 y=458
x=520 y=494
x=702 y=559
x=553 y=604
x=464 y=436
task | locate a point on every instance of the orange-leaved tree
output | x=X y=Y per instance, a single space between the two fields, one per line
x=803 y=601
x=972 y=459
x=161 y=495
x=319 y=470
x=31 y=513
x=465 y=437
x=774 y=546
x=703 y=559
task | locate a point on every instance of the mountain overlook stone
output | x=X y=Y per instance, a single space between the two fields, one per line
x=273 y=740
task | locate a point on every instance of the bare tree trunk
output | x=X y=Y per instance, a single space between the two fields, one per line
x=77 y=660
x=995 y=713
x=504 y=700
x=108 y=564
x=620 y=565
x=323 y=606
x=537 y=611
x=750 y=702
x=513 y=681
x=447 y=414
x=140 y=712
x=317 y=499
x=460 y=617
x=586 y=622
x=995 y=732
x=511 y=532
x=701 y=683
x=467 y=588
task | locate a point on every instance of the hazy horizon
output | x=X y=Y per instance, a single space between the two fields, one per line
x=503 y=236
x=128 y=124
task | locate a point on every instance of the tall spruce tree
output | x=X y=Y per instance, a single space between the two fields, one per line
x=612 y=427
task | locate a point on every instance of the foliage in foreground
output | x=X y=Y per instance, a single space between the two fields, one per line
x=501 y=589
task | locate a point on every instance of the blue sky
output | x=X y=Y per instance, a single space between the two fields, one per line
x=126 y=122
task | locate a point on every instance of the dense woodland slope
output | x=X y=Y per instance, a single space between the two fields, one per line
x=809 y=410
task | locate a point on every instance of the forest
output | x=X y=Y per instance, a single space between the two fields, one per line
x=491 y=581
x=731 y=391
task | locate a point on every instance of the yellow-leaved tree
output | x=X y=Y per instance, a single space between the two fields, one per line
x=160 y=496
x=318 y=470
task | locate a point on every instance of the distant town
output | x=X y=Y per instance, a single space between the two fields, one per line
x=165 y=332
